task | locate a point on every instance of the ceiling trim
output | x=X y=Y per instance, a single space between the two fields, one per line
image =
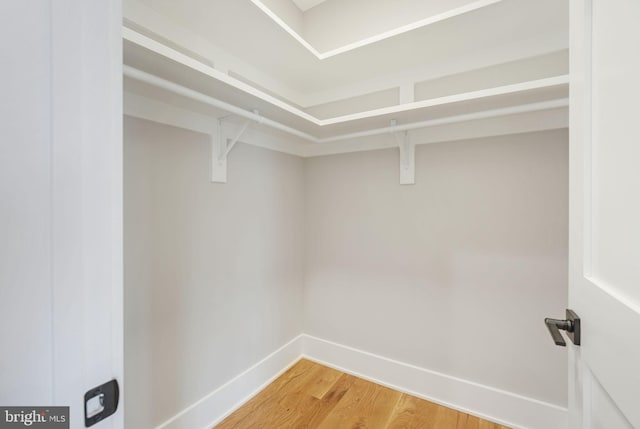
x=376 y=38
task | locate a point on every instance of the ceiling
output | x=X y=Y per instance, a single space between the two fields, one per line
x=337 y=26
x=305 y=5
x=335 y=67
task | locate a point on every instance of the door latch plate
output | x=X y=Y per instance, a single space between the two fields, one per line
x=574 y=334
x=101 y=402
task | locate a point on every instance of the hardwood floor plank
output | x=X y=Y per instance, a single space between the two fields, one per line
x=324 y=382
x=412 y=413
x=312 y=396
x=316 y=410
x=445 y=418
x=466 y=421
x=270 y=397
x=364 y=405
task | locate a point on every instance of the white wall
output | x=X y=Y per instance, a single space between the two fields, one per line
x=25 y=204
x=213 y=272
x=60 y=202
x=454 y=274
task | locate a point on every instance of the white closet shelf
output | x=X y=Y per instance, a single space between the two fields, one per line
x=168 y=70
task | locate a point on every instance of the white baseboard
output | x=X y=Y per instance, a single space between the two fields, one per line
x=217 y=405
x=493 y=404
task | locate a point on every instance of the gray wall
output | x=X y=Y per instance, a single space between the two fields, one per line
x=454 y=274
x=213 y=273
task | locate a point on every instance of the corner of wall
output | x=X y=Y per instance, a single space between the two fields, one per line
x=220 y=403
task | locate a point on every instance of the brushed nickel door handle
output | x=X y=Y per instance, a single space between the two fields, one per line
x=571 y=325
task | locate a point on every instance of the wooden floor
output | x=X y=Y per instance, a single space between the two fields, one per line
x=309 y=395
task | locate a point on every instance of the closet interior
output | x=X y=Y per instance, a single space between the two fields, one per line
x=377 y=186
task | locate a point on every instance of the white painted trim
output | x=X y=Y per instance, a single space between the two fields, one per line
x=506 y=111
x=86 y=201
x=523 y=121
x=165 y=51
x=490 y=403
x=542 y=45
x=141 y=107
x=290 y=31
x=508 y=89
x=527 y=122
x=410 y=27
x=142 y=18
x=221 y=402
x=136 y=38
x=167 y=85
x=455 y=98
x=376 y=38
x=493 y=404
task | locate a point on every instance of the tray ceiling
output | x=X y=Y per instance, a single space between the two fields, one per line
x=338 y=26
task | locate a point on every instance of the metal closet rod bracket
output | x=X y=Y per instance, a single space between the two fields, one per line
x=221 y=147
x=407 y=154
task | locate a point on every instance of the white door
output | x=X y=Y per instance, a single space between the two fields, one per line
x=604 y=283
x=60 y=203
